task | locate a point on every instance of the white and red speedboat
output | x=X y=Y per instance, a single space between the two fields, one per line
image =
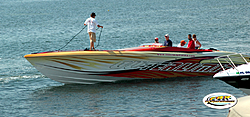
x=144 y=62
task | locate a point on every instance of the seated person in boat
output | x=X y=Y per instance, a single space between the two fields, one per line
x=167 y=42
x=182 y=44
x=191 y=44
x=157 y=42
x=196 y=42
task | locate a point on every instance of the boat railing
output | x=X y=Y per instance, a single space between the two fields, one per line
x=230 y=62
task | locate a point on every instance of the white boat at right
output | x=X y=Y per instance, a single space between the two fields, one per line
x=238 y=75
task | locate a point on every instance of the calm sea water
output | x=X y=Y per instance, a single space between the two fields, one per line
x=40 y=25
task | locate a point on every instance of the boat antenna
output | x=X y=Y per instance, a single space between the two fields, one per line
x=99 y=37
x=73 y=38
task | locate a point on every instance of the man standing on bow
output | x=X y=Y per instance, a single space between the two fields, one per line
x=92 y=23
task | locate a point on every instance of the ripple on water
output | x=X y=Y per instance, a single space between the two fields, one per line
x=182 y=97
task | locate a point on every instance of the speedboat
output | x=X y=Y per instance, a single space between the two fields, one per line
x=143 y=62
x=238 y=75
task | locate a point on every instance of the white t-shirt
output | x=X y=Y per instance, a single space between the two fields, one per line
x=196 y=45
x=92 y=23
x=179 y=45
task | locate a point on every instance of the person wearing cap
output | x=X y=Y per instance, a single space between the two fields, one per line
x=182 y=44
x=167 y=42
x=196 y=42
x=92 y=23
x=191 y=44
x=156 y=40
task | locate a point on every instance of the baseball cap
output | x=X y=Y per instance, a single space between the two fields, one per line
x=183 y=41
x=166 y=35
x=156 y=38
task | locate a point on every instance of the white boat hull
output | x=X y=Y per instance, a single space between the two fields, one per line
x=90 y=67
x=237 y=76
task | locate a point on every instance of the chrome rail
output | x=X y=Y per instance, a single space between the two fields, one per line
x=231 y=62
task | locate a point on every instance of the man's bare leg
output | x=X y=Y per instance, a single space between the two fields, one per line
x=91 y=45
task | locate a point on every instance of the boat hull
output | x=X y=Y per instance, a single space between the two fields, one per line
x=238 y=77
x=90 y=67
x=237 y=81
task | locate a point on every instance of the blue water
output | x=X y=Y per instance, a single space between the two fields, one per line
x=41 y=25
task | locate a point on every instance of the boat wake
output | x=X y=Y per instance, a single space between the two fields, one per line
x=16 y=78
